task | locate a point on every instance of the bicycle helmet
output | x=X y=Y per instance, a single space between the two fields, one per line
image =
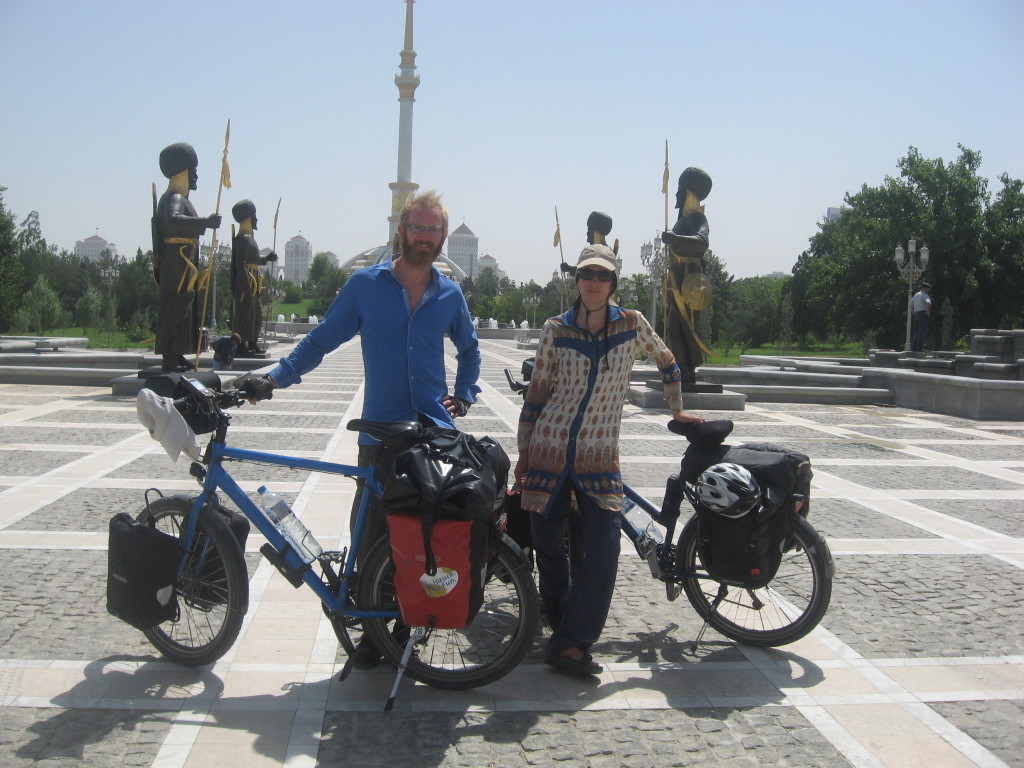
x=728 y=489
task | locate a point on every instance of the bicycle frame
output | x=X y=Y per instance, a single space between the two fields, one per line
x=218 y=478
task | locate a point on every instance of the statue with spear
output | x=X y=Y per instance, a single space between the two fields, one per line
x=687 y=290
x=176 y=231
x=246 y=278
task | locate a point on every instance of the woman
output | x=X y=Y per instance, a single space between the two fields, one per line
x=568 y=442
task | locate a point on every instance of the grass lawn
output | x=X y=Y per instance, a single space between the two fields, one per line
x=731 y=355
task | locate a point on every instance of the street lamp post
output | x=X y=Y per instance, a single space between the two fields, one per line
x=653 y=259
x=109 y=275
x=533 y=301
x=910 y=271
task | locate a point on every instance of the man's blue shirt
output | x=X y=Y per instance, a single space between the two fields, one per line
x=403 y=351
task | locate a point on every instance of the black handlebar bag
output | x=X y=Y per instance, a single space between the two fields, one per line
x=441 y=503
x=170 y=385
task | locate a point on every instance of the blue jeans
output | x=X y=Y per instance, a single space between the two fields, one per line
x=576 y=605
x=920 y=331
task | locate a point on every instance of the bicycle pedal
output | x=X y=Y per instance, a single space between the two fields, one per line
x=672 y=590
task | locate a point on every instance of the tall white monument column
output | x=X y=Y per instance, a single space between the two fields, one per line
x=406 y=80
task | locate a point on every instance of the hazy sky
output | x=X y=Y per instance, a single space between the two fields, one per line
x=523 y=105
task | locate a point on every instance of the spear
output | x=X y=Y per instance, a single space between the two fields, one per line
x=225 y=181
x=664 y=246
x=558 y=242
x=273 y=266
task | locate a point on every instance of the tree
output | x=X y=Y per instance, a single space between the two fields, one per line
x=12 y=271
x=87 y=310
x=323 y=283
x=1003 y=282
x=136 y=293
x=713 y=323
x=41 y=308
x=752 y=310
x=847 y=284
x=486 y=283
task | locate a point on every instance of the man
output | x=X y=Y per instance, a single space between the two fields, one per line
x=176 y=232
x=224 y=350
x=921 y=306
x=402 y=309
x=246 y=285
x=689 y=291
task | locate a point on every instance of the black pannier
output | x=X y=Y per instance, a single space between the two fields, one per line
x=747 y=551
x=142 y=565
x=211 y=585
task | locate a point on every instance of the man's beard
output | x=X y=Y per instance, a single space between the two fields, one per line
x=416 y=257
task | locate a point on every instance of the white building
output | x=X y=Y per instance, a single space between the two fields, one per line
x=833 y=214
x=298 y=257
x=463 y=249
x=92 y=247
x=489 y=262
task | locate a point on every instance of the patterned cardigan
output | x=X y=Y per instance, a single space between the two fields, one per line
x=571 y=415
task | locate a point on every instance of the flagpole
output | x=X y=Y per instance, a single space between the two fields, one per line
x=225 y=181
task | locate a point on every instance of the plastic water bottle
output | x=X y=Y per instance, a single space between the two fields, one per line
x=649 y=536
x=294 y=532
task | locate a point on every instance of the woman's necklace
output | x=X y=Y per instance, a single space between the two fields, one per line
x=588 y=318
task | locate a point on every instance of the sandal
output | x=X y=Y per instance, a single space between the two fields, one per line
x=586 y=666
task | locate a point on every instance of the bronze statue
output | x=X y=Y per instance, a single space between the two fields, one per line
x=246 y=278
x=598 y=226
x=176 y=232
x=687 y=290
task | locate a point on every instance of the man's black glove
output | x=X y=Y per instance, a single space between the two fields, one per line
x=258 y=388
x=461 y=406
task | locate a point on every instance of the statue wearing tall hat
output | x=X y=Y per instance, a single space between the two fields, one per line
x=246 y=278
x=598 y=226
x=687 y=289
x=176 y=232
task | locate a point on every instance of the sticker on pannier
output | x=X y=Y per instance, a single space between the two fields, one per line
x=142 y=563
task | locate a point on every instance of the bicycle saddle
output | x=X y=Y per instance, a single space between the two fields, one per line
x=707 y=434
x=388 y=431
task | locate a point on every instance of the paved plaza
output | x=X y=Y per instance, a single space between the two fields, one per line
x=918 y=662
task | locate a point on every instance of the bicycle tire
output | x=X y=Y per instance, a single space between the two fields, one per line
x=213 y=587
x=789 y=607
x=491 y=646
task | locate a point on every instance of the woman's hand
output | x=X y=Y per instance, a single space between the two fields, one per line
x=522 y=465
x=687 y=418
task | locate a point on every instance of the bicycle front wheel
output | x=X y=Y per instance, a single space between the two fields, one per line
x=785 y=610
x=490 y=647
x=212 y=587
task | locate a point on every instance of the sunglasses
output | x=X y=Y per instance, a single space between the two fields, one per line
x=589 y=274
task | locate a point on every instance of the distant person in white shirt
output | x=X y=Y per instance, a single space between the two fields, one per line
x=921 y=306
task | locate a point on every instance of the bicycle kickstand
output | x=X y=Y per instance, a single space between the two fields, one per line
x=414 y=637
x=722 y=592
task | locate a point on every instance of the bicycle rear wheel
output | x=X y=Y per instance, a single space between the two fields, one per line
x=490 y=647
x=789 y=607
x=213 y=587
